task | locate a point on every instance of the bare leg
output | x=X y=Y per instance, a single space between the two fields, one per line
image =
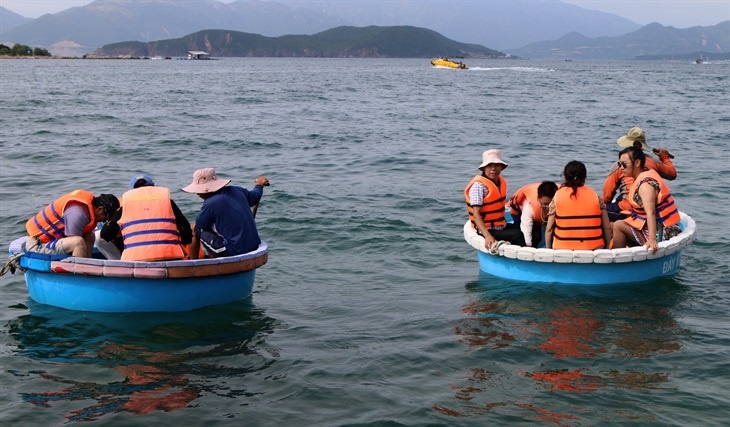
x=74 y=245
x=89 y=239
x=622 y=234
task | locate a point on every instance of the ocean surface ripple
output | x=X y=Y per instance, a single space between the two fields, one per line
x=372 y=310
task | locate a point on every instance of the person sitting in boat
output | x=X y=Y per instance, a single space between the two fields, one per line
x=652 y=205
x=617 y=184
x=152 y=226
x=225 y=225
x=67 y=225
x=577 y=217
x=529 y=208
x=485 y=200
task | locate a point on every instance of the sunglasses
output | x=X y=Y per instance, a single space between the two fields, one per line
x=622 y=165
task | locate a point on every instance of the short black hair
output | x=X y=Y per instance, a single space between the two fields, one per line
x=547 y=189
x=109 y=202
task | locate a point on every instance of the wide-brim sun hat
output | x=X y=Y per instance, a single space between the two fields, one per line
x=205 y=181
x=492 y=156
x=634 y=134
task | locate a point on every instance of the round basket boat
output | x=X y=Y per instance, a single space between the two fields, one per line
x=91 y=284
x=600 y=266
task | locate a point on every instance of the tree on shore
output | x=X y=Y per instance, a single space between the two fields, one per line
x=22 y=50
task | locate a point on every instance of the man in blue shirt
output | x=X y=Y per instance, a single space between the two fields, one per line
x=225 y=225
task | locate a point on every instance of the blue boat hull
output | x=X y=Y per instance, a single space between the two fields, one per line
x=598 y=267
x=90 y=284
x=588 y=274
x=113 y=294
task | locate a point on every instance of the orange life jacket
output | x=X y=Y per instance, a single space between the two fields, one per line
x=492 y=210
x=48 y=224
x=148 y=226
x=529 y=193
x=617 y=182
x=666 y=211
x=577 y=219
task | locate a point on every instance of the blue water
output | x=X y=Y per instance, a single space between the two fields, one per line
x=372 y=310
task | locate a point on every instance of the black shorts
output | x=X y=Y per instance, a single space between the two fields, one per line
x=213 y=244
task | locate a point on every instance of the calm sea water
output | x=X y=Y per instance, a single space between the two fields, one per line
x=372 y=310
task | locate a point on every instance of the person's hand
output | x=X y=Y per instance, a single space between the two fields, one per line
x=651 y=246
x=262 y=180
x=662 y=152
x=489 y=241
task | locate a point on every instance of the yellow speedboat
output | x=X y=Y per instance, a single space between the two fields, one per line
x=446 y=62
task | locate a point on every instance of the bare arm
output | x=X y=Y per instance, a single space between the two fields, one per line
x=194 y=248
x=549 y=230
x=648 y=197
x=479 y=222
x=607 y=229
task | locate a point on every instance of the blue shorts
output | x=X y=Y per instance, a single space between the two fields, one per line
x=614 y=212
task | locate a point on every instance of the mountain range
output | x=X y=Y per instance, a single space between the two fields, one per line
x=504 y=25
x=340 y=42
x=653 y=41
x=497 y=25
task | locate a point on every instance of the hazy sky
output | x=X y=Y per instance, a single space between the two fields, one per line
x=677 y=13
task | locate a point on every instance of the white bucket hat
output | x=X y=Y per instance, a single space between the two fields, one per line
x=205 y=181
x=634 y=134
x=491 y=156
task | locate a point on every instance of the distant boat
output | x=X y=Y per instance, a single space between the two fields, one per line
x=699 y=61
x=447 y=63
x=196 y=55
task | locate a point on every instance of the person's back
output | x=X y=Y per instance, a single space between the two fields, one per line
x=229 y=213
x=577 y=219
x=148 y=226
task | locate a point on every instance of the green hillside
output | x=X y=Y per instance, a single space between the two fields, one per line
x=340 y=42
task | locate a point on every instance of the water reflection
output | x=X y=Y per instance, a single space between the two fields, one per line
x=138 y=363
x=565 y=341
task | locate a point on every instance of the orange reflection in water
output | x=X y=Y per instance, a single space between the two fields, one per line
x=549 y=416
x=572 y=381
x=586 y=333
x=570 y=333
x=145 y=388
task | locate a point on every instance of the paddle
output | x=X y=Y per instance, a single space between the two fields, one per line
x=656 y=151
x=256 y=206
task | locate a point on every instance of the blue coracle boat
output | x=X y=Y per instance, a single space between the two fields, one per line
x=91 y=284
x=597 y=267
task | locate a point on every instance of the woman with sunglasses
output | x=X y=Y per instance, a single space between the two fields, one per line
x=652 y=205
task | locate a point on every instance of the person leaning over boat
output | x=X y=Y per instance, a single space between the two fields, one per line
x=652 y=205
x=67 y=225
x=152 y=226
x=485 y=200
x=577 y=217
x=529 y=207
x=617 y=184
x=225 y=225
